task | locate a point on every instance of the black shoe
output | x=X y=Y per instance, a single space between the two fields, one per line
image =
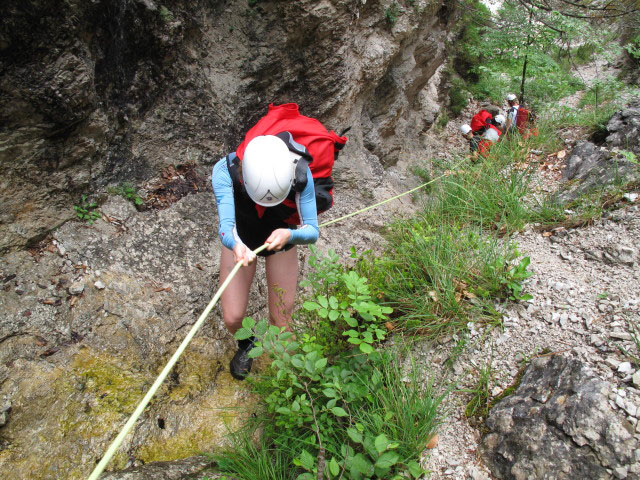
x=240 y=365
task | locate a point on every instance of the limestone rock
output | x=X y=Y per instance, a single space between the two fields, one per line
x=558 y=424
x=591 y=166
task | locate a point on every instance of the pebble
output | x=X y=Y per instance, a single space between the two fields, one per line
x=620 y=472
x=625 y=368
x=99 y=285
x=596 y=340
x=612 y=362
x=620 y=335
x=635 y=378
x=76 y=288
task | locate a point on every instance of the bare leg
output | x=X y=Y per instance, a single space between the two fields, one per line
x=282 y=279
x=235 y=298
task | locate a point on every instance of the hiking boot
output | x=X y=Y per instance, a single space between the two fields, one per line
x=240 y=365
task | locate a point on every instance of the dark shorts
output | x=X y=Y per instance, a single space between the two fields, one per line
x=255 y=233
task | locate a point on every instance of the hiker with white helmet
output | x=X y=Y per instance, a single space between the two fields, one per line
x=500 y=122
x=512 y=113
x=468 y=134
x=263 y=190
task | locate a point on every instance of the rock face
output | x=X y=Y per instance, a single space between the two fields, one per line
x=559 y=425
x=95 y=94
x=591 y=167
x=194 y=468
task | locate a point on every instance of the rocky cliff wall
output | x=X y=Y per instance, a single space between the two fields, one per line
x=94 y=94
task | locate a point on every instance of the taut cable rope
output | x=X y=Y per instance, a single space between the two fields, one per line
x=97 y=471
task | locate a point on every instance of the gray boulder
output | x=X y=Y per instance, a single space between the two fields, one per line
x=558 y=425
x=624 y=129
x=590 y=167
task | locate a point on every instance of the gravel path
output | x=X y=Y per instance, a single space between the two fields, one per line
x=586 y=287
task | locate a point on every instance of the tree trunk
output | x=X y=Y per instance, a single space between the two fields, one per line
x=526 y=57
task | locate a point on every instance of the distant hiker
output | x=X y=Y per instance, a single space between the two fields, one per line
x=473 y=140
x=490 y=137
x=480 y=121
x=519 y=118
x=512 y=113
x=278 y=177
x=499 y=121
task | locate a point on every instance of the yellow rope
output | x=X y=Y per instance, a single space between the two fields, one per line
x=154 y=388
x=362 y=210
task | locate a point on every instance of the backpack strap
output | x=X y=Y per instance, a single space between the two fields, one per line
x=233 y=165
x=302 y=160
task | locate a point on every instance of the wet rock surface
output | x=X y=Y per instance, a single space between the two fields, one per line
x=558 y=421
x=194 y=468
x=90 y=317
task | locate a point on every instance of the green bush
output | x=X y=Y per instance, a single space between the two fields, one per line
x=602 y=92
x=355 y=415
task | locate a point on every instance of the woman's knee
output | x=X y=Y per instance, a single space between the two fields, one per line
x=233 y=319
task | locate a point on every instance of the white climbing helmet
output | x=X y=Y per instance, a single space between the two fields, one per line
x=465 y=129
x=500 y=120
x=268 y=170
x=511 y=97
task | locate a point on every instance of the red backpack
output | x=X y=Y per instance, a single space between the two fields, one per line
x=479 y=121
x=322 y=148
x=523 y=119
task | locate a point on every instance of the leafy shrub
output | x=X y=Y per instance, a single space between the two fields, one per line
x=458 y=96
x=351 y=416
x=633 y=48
x=602 y=92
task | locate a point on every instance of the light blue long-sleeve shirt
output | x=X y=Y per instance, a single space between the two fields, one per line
x=223 y=190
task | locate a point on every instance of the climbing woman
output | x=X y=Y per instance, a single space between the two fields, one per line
x=263 y=191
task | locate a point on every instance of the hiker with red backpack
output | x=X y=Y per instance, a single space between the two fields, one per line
x=491 y=135
x=480 y=121
x=487 y=132
x=519 y=118
x=279 y=177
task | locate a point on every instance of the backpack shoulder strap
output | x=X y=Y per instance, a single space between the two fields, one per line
x=302 y=161
x=233 y=165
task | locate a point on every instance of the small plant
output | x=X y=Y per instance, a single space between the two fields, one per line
x=165 y=14
x=513 y=278
x=633 y=48
x=630 y=157
x=442 y=121
x=128 y=191
x=356 y=309
x=356 y=415
x=478 y=406
x=87 y=210
x=391 y=13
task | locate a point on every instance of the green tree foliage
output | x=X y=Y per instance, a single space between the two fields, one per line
x=528 y=46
